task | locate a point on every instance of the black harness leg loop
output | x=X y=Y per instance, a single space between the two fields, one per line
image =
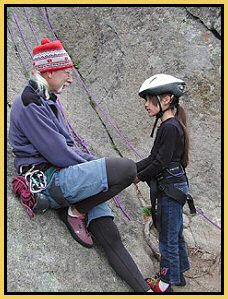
x=191 y=204
x=153 y=199
x=57 y=194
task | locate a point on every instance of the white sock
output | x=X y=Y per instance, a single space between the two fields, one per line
x=70 y=213
x=163 y=285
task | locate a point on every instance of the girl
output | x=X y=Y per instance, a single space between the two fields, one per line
x=164 y=171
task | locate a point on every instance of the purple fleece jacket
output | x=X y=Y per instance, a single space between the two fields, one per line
x=38 y=133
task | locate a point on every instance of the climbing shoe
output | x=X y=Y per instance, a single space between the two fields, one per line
x=182 y=282
x=154 y=284
x=77 y=228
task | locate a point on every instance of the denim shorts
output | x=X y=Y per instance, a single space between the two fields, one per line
x=79 y=182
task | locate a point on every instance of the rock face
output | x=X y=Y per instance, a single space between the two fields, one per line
x=116 y=49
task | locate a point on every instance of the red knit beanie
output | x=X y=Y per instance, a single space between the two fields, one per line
x=50 y=56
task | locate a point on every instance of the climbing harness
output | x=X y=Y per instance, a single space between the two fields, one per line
x=164 y=182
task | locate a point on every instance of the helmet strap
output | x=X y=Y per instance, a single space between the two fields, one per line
x=158 y=115
x=161 y=112
x=159 y=103
x=155 y=123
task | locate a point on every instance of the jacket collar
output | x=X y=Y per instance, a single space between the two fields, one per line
x=32 y=84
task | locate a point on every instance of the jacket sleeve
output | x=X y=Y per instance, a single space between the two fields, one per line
x=153 y=165
x=84 y=155
x=143 y=163
x=43 y=133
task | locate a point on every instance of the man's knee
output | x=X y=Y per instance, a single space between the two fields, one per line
x=130 y=168
x=121 y=170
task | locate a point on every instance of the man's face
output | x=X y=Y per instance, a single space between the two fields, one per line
x=58 y=80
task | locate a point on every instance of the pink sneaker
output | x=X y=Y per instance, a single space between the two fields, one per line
x=77 y=228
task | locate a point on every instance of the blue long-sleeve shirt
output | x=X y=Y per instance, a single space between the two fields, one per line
x=38 y=133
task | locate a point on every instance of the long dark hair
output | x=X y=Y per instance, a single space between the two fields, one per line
x=180 y=115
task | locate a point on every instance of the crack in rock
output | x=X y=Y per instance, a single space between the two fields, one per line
x=213 y=30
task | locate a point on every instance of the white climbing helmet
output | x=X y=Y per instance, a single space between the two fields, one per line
x=161 y=84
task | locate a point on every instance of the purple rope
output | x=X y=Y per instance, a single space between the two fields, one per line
x=22 y=35
x=121 y=207
x=106 y=115
x=17 y=49
x=82 y=140
x=45 y=14
x=116 y=199
x=207 y=218
x=109 y=118
x=71 y=129
x=31 y=26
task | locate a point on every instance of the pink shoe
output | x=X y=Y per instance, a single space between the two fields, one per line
x=77 y=228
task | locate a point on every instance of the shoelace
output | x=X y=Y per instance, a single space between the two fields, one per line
x=151 y=280
x=87 y=232
x=83 y=224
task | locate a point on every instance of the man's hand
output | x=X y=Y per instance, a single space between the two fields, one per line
x=136 y=180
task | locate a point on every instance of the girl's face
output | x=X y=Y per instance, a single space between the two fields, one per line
x=151 y=105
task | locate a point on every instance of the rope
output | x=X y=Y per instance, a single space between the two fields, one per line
x=72 y=131
x=115 y=198
x=94 y=98
x=16 y=47
x=21 y=188
x=24 y=39
x=30 y=25
x=107 y=116
x=200 y=211
x=82 y=141
x=45 y=14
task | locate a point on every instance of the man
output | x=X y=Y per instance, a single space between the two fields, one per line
x=78 y=184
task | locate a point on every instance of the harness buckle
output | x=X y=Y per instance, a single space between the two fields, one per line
x=161 y=187
x=159 y=177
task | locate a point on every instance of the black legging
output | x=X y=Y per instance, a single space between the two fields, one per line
x=106 y=233
x=121 y=173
